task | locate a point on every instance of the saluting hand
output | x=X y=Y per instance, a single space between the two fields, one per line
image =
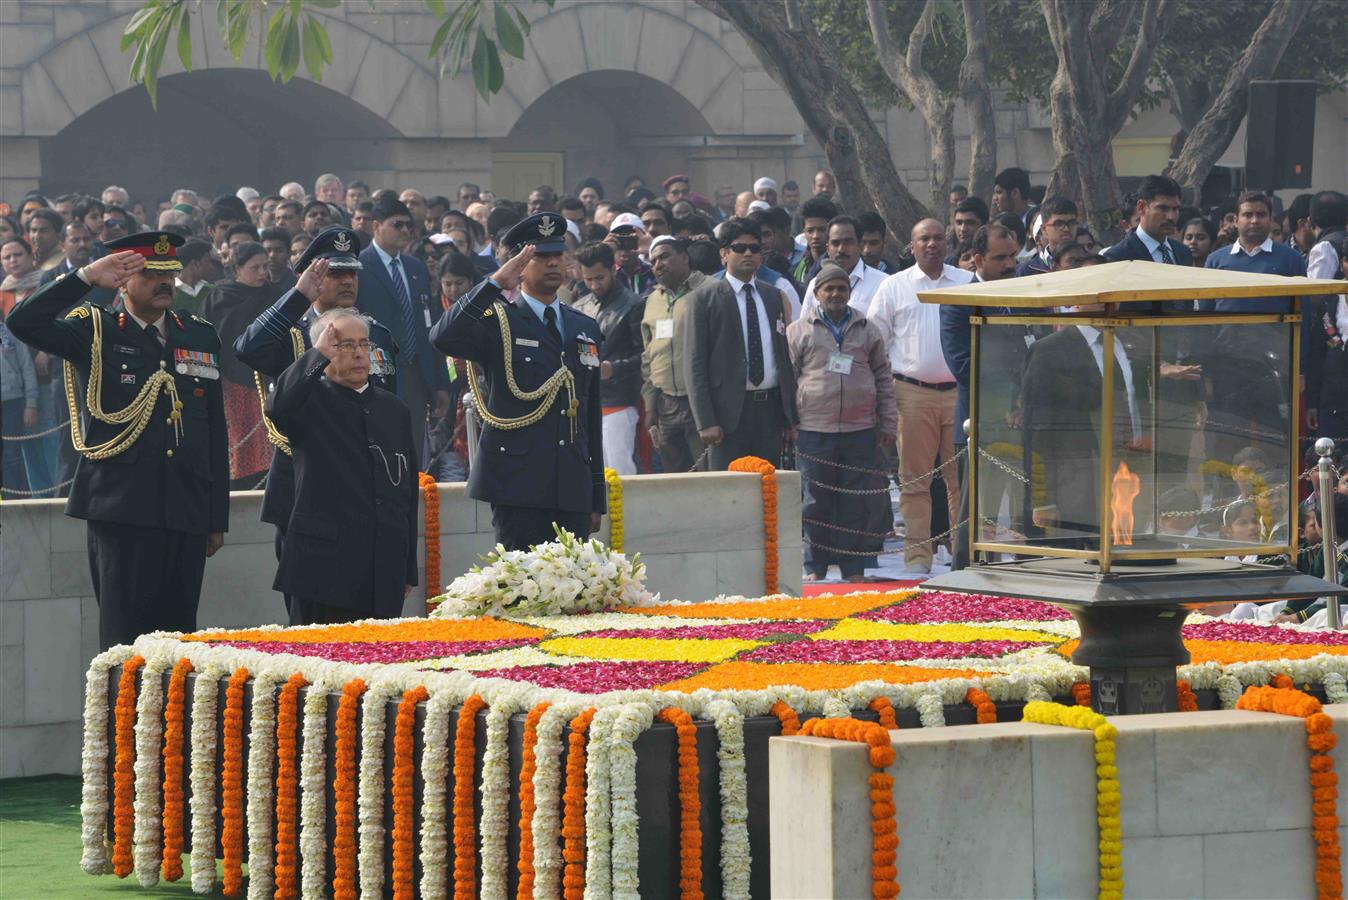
x=327 y=342
x=509 y=275
x=114 y=270
x=311 y=279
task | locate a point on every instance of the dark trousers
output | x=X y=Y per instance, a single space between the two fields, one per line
x=279 y=542
x=759 y=432
x=520 y=527
x=676 y=434
x=307 y=611
x=419 y=401
x=832 y=518
x=959 y=548
x=145 y=579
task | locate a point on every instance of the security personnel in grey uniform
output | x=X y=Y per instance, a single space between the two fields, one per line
x=153 y=478
x=327 y=280
x=540 y=461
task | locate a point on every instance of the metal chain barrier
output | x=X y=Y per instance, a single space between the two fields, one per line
x=882 y=552
x=865 y=492
x=52 y=491
x=36 y=435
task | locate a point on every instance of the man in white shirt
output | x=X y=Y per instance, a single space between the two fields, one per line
x=844 y=249
x=924 y=384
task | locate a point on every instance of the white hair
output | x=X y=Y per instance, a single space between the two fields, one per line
x=331 y=317
x=121 y=193
x=174 y=217
x=324 y=180
x=292 y=188
x=186 y=195
x=247 y=193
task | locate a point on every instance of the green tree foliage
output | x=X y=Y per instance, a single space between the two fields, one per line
x=471 y=33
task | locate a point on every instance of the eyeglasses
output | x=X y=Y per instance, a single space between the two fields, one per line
x=745 y=249
x=400 y=224
x=114 y=224
x=1064 y=224
x=353 y=346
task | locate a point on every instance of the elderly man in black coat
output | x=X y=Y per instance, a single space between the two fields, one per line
x=349 y=550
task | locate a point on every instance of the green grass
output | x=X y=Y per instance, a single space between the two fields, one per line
x=40 y=847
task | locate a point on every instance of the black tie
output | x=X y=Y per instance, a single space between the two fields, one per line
x=153 y=332
x=550 y=319
x=1166 y=256
x=754 y=337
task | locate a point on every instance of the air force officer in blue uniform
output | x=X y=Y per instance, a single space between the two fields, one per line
x=552 y=468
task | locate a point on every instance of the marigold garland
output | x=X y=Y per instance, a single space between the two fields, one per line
x=465 y=831
x=284 y=872
x=787 y=716
x=884 y=828
x=404 y=729
x=172 y=814
x=886 y=710
x=1108 y=799
x=690 y=804
x=768 y=472
x=615 y=509
x=1081 y=693
x=431 y=492
x=123 y=773
x=231 y=785
x=1282 y=681
x=573 y=808
x=1320 y=740
x=528 y=767
x=1185 y=698
x=984 y=709
x=344 y=886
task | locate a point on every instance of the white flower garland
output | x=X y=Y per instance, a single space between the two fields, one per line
x=1228 y=691
x=1336 y=688
x=735 y=856
x=598 y=806
x=627 y=727
x=203 y=803
x=261 y=782
x=495 y=783
x=371 y=789
x=837 y=708
x=149 y=837
x=547 y=799
x=94 y=762
x=930 y=710
x=434 y=772
x=313 y=790
x=1035 y=691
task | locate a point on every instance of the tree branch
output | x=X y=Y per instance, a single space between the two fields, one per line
x=978 y=99
x=1155 y=17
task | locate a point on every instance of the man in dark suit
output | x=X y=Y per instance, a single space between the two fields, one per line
x=397 y=290
x=350 y=546
x=154 y=481
x=1156 y=237
x=737 y=365
x=328 y=278
x=550 y=468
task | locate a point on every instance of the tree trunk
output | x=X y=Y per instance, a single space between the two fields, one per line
x=978 y=100
x=1088 y=112
x=831 y=108
x=1210 y=137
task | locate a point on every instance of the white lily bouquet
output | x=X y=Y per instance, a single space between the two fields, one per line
x=563 y=576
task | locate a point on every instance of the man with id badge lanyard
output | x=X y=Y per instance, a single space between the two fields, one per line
x=540 y=457
x=845 y=399
x=664 y=391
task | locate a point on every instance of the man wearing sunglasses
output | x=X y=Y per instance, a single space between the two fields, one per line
x=736 y=363
x=395 y=288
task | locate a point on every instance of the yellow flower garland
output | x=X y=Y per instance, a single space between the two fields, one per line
x=615 y=509
x=1108 y=799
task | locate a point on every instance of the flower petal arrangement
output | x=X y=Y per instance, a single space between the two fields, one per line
x=454 y=696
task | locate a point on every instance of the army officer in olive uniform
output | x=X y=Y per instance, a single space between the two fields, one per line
x=327 y=280
x=541 y=460
x=153 y=480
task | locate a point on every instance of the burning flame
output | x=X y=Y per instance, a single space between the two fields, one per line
x=1126 y=487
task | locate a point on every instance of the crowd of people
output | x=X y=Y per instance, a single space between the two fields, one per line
x=762 y=322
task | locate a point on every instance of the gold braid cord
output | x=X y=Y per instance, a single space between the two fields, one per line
x=135 y=416
x=274 y=435
x=547 y=392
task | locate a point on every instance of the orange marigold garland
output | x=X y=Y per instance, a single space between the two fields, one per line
x=1186 y=699
x=528 y=767
x=573 y=809
x=768 y=472
x=123 y=773
x=1081 y=693
x=431 y=492
x=287 y=787
x=690 y=804
x=344 y=793
x=886 y=710
x=787 y=716
x=404 y=728
x=884 y=828
x=172 y=813
x=1320 y=740
x=984 y=708
x=1282 y=681
x=231 y=785
x=465 y=831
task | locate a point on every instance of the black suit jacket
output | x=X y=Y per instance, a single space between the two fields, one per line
x=714 y=362
x=161 y=480
x=351 y=540
x=1131 y=247
x=544 y=465
x=376 y=296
